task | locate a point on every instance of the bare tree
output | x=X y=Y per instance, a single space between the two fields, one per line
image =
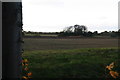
x=68 y=29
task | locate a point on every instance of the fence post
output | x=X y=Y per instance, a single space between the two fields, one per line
x=0 y=40
x=11 y=40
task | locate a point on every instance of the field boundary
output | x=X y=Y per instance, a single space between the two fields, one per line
x=54 y=37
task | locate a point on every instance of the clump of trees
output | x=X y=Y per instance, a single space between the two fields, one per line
x=77 y=30
x=81 y=30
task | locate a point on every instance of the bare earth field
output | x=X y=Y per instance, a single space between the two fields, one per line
x=51 y=44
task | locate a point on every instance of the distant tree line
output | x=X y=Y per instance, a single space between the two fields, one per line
x=81 y=30
x=32 y=32
x=77 y=30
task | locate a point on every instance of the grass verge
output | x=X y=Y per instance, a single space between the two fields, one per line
x=71 y=63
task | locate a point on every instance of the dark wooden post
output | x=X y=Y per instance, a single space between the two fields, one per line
x=0 y=40
x=11 y=40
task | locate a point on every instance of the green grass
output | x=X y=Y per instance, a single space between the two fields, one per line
x=70 y=63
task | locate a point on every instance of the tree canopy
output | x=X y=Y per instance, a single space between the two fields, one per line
x=75 y=30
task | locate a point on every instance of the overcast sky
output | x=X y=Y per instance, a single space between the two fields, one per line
x=55 y=15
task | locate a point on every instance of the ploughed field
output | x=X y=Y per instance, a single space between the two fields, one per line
x=70 y=58
x=49 y=44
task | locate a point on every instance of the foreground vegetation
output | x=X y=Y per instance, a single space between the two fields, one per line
x=71 y=63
